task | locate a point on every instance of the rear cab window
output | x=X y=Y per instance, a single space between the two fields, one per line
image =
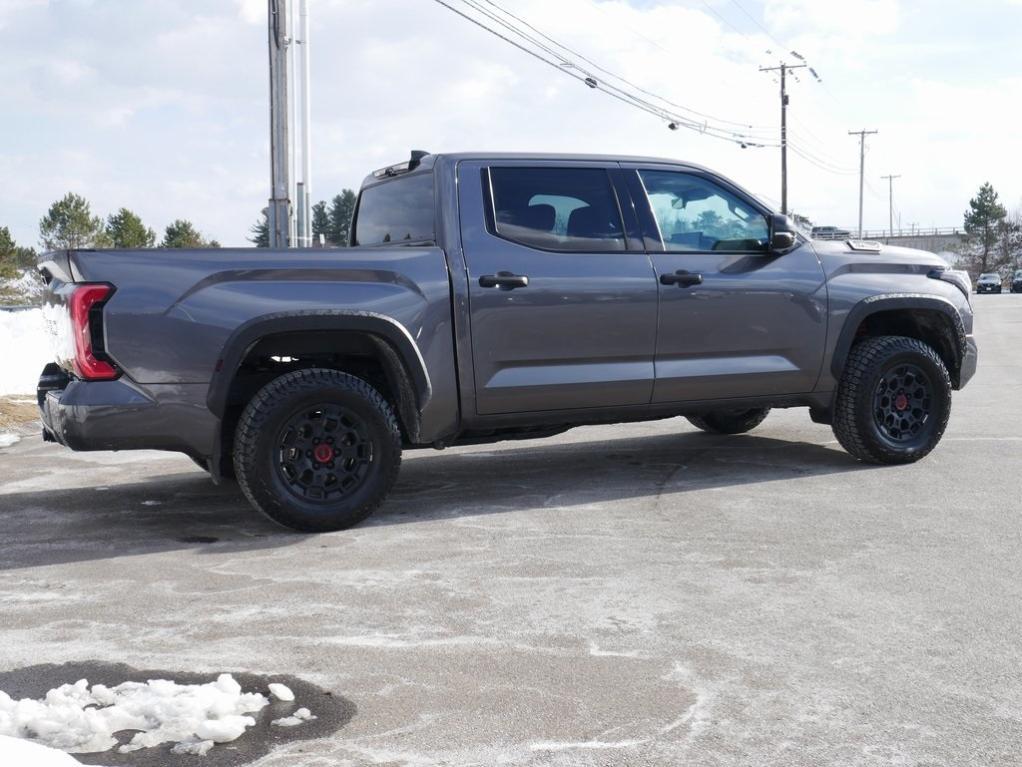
x=399 y=211
x=556 y=209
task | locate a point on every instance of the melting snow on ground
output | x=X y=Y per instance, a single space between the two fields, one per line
x=7 y=439
x=299 y=716
x=25 y=348
x=81 y=719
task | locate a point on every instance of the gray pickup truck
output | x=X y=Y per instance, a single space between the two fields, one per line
x=495 y=296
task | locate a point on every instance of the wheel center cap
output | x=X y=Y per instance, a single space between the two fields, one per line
x=901 y=402
x=323 y=453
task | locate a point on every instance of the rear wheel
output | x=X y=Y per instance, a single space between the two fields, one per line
x=729 y=421
x=317 y=450
x=893 y=401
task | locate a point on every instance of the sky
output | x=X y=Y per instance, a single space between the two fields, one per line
x=162 y=105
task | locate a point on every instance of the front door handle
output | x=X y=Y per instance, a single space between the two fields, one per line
x=682 y=279
x=504 y=281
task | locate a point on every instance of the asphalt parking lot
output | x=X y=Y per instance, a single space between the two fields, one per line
x=621 y=595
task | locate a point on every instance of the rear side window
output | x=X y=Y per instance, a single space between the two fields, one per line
x=562 y=209
x=398 y=211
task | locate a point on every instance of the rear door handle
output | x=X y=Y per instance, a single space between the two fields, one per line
x=504 y=281
x=682 y=279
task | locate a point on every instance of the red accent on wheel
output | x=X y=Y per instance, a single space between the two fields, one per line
x=323 y=453
x=901 y=402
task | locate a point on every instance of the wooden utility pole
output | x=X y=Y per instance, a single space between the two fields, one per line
x=784 y=69
x=862 y=166
x=279 y=210
x=890 y=205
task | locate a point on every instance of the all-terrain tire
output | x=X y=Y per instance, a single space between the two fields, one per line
x=282 y=443
x=729 y=421
x=869 y=405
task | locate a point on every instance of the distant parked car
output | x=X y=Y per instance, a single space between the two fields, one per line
x=1016 y=282
x=830 y=233
x=989 y=283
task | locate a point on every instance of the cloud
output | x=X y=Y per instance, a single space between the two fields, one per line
x=164 y=109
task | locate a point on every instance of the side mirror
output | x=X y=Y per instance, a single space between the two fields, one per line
x=782 y=241
x=782 y=234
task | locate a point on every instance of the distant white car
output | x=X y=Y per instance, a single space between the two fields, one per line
x=830 y=233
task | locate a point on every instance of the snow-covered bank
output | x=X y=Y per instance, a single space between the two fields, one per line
x=24 y=350
x=15 y=752
x=81 y=719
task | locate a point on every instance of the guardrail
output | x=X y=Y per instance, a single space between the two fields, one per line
x=933 y=231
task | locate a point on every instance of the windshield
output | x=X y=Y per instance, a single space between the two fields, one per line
x=989 y=277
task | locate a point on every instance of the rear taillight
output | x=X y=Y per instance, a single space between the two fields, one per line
x=85 y=306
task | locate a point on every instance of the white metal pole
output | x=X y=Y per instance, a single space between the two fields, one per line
x=306 y=200
x=279 y=213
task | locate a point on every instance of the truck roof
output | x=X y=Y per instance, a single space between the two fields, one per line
x=429 y=161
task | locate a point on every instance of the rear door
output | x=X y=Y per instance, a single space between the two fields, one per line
x=735 y=319
x=563 y=302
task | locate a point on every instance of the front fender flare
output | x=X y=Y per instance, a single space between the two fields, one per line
x=247 y=335
x=887 y=302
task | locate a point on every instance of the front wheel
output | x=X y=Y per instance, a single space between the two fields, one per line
x=729 y=421
x=317 y=450
x=893 y=401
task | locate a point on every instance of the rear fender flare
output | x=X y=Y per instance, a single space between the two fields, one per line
x=381 y=328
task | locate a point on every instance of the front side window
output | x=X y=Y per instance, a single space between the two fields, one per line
x=398 y=211
x=563 y=209
x=694 y=214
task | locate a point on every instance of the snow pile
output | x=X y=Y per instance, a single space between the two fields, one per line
x=7 y=439
x=297 y=718
x=23 y=753
x=80 y=719
x=25 y=348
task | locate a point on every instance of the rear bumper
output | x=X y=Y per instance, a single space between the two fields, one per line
x=969 y=362
x=121 y=415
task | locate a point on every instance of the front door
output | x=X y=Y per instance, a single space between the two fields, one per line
x=735 y=319
x=563 y=304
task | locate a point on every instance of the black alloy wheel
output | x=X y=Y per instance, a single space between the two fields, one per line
x=902 y=403
x=324 y=452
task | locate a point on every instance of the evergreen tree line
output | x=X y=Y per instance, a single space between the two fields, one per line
x=70 y=224
x=331 y=223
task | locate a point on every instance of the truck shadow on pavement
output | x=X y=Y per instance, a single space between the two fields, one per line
x=186 y=511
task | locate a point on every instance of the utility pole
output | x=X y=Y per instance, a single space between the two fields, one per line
x=862 y=166
x=303 y=189
x=890 y=198
x=279 y=210
x=784 y=68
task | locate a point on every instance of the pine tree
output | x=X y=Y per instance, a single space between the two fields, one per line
x=126 y=230
x=341 y=212
x=183 y=234
x=259 y=234
x=321 y=223
x=983 y=222
x=69 y=224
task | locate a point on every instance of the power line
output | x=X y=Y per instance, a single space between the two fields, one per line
x=598 y=67
x=565 y=64
x=862 y=165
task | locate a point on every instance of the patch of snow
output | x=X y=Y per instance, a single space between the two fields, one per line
x=151 y=503
x=25 y=348
x=26 y=753
x=297 y=718
x=281 y=692
x=80 y=719
x=7 y=439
